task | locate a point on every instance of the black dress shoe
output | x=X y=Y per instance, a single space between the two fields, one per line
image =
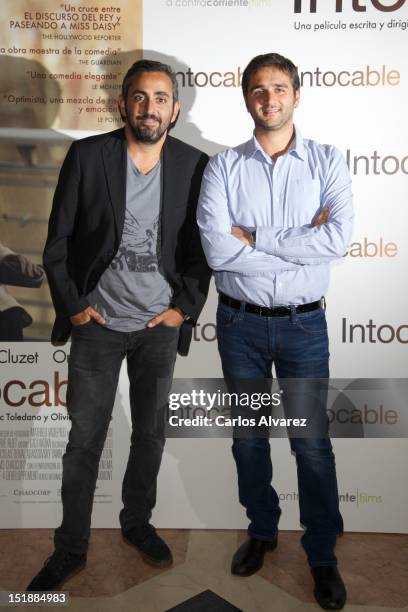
x=330 y=592
x=56 y=570
x=250 y=556
x=152 y=548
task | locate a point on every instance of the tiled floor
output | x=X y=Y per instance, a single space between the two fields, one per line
x=374 y=567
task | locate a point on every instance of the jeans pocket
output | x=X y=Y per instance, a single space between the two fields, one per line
x=85 y=329
x=175 y=327
x=83 y=325
x=226 y=316
x=313 y=323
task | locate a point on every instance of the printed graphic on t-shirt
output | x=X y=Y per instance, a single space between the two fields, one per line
x=138 y=247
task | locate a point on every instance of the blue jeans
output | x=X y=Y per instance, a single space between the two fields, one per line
x=249 y=345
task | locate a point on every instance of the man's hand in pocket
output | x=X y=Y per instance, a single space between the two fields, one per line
x=86 y=315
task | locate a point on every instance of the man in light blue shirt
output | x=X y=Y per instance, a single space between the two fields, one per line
x=273 y=213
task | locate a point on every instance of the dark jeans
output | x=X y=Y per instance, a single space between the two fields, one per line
x=298 y=346
x=94 y=365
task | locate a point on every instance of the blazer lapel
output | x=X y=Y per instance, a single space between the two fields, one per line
x=171 y=181
x=115 y=162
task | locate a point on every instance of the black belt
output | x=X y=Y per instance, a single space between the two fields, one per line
x=264 y=311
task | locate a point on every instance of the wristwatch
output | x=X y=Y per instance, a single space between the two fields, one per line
x=253 y=234
x=185 y=315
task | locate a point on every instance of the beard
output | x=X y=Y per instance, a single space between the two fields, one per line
x=147 y=133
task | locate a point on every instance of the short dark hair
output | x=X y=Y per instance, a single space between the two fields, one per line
x=145 y=65
x=270 y=59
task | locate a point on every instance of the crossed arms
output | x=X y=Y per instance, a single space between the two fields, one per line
x=230 y=248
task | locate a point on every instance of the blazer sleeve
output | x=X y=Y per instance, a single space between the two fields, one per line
x=197 y=274
x=64 y=293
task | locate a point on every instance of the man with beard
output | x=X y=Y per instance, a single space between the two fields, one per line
x=128 y=278
x=273 y=213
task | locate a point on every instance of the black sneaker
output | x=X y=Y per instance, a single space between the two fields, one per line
x=56 y=570
x=152 y=548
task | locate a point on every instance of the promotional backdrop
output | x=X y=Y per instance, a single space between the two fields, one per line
x=62 y=69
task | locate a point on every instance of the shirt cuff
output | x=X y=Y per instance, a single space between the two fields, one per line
x=266 y=239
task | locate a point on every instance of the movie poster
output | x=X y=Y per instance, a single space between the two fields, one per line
x=61 y=69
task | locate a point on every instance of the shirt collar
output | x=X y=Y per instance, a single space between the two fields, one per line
x=297 y=147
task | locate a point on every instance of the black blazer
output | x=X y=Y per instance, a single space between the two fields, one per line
x=87 y=219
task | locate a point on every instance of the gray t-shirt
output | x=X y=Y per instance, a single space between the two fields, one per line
x=133 y=289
